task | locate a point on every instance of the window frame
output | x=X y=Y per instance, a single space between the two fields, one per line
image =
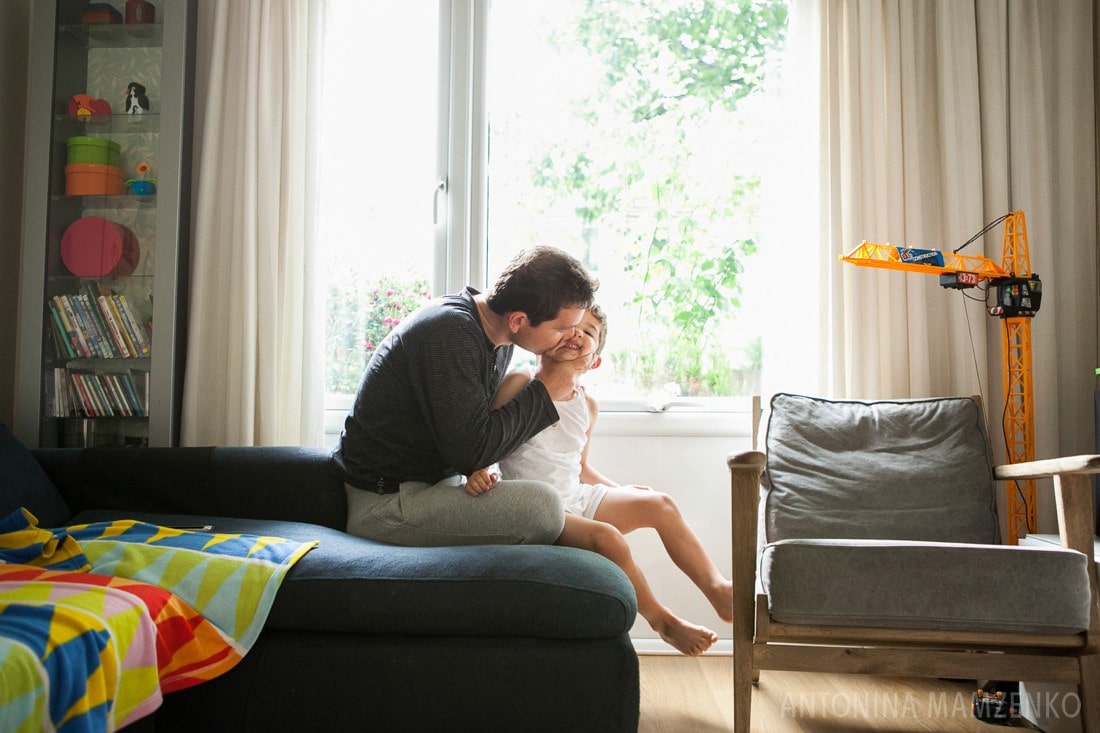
x=459 y=198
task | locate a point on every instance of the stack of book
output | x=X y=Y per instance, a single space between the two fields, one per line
x=92 y=331
x=97 y=323
x=75 y=392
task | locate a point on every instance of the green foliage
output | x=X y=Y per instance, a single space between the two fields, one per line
x=673 y=71
x=663 y=55
x=360 y=313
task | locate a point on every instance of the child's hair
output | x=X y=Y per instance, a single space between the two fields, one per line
x=597 y=311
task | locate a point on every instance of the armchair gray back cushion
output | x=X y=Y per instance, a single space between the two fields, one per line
x=892 y=470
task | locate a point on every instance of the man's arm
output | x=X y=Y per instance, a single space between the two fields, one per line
x=451 y=370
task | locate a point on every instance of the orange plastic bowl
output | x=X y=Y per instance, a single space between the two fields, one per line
x=93 y=179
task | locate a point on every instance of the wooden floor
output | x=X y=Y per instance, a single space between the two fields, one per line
x=693 y=695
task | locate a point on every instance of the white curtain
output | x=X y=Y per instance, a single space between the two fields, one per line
x=253 y=374
x=932 y=118
x=928 y=120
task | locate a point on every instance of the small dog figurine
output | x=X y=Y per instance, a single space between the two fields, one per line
x=136 y=101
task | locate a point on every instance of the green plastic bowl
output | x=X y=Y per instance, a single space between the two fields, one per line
x=83 y=149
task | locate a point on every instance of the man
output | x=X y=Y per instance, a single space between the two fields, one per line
x=422 y=421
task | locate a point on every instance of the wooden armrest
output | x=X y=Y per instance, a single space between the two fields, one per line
x=1083 y=464
x=1073 y=498
x=750 y=461
x=745 y=470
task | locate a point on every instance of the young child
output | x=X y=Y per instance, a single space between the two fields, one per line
x=599 y=511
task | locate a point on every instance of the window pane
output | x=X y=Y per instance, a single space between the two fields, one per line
x=378 y=158
x=630 y=133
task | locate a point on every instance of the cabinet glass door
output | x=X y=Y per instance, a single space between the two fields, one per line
x=95 y=225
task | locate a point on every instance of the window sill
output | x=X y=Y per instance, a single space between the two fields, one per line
x=702 y=418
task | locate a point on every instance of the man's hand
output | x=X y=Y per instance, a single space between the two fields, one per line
x=560 y=377
x=481 y=481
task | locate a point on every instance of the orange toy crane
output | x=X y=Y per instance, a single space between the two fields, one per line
x=1018 y=294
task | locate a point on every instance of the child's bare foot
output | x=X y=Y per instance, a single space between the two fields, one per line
x=721 y=597
x=687 y=638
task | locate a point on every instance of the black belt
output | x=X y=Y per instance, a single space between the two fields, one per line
x=387 y=485
x=381 y=485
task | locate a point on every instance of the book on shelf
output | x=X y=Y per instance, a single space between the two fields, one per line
x=72 y=325
x=63 y=388
x=95 y=389
x=93 y=291
x=96 y=323
x=138 y=404
x=97 y=336
x=113 y=327
x=49 y=388
x=65 y=338
x=124 y=328
x=82 y=393
x=136 y=330
x=114 y=400
x=85 y=406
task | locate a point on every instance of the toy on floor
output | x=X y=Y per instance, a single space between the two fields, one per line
x=997 y=702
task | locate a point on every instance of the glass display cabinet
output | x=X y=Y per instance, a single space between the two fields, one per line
x=103 y=283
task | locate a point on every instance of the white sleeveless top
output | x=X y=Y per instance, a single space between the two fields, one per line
x=554 y=456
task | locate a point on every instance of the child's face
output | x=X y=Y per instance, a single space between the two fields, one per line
x=582 y=345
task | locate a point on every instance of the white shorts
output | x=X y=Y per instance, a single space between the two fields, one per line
x=584 y=499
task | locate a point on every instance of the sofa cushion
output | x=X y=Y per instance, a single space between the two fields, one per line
x=927 y=585
x=227 y=481
x=23 y=483
x=350 y=584
x=906 y=470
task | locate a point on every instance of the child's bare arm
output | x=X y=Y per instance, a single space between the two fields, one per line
x=512 y=384
x=589 y=475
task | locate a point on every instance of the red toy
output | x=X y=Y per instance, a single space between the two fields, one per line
x=85 y=108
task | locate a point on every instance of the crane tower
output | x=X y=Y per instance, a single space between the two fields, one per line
x=1017 y=294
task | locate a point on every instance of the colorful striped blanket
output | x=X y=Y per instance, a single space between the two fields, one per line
x=98 y=621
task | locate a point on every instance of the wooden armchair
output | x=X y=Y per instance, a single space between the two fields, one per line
x=879 y=553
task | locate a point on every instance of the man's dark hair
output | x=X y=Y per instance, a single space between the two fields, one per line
x=540 y=281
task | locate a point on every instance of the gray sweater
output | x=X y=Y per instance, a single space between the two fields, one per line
x=422 y=410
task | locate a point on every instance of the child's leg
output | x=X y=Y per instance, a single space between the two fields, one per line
x=589 y=534
x=628 y=509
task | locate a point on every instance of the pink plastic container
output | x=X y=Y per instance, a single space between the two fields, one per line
x=95 y=247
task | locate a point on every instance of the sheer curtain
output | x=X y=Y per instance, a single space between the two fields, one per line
x=930 y=120
x=253 y=373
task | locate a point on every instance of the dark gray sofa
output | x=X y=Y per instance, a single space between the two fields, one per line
x=363 y=635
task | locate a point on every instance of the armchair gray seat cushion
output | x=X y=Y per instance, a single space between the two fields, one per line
x=870 y=520
x=926 y=585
